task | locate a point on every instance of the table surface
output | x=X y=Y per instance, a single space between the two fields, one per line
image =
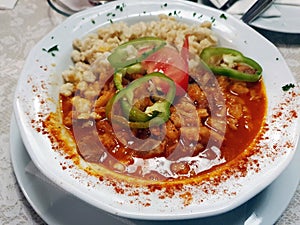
x=20 y=29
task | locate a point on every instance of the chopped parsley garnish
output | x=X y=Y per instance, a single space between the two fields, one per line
x=223 y=16
x=287 y=87
x=175 y=13
x=111 y=14
x=120 y=7
x=164 y=5
x=52 y=50
x=213 y=19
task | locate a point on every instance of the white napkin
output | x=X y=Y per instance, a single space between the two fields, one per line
x=288 y=2
x=76 y=5
x=242 y=6
x=253 y=219
x=7 y=4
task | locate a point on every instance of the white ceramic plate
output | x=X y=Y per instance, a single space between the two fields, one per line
x=288 y=22
x=37 y=95
x=59 y=207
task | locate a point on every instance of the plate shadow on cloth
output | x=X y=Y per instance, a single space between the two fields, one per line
x=279 y=38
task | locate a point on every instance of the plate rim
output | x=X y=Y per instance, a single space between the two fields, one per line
x=260 y=22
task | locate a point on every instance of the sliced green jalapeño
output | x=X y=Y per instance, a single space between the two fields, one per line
x=119 y=74
x=231 y=63
x=134 y=51
x=122 y=107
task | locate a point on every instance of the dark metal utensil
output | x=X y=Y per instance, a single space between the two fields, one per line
x=258 y=8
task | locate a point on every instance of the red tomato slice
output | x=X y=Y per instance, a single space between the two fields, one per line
x=185 y=51
x=170 y=62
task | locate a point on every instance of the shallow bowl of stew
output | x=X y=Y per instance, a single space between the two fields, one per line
x=164 y=111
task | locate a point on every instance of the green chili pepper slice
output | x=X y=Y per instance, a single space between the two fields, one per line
x=118 y=75
x=152 y=115
x=134 y=51
x=231 y=63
